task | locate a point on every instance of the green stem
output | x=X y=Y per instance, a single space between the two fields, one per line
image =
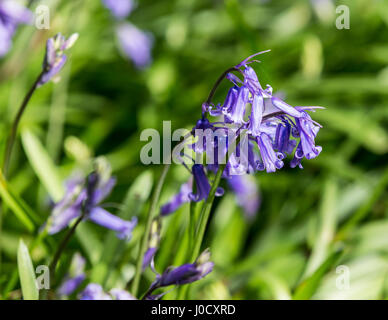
x=204 y=218
x=144 y=240
x=205 y=213
x=15 y=124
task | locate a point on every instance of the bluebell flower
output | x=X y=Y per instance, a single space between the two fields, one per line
x=256 y=114
x=94 y=291
x=135 y=43
x=11 y=15
x=85 y=196
x=271 y=159
x=237 y=111
x=202 y=184
x=55 y=57
x=104 y=218
x=183 y=274
x=75 y=276
x=119 y=8
x=69 y=207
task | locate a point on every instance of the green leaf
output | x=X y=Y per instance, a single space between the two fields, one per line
x=27 y=274
x=13 y=204
x=307 y=288
x=43 y=165
x=326 y=226
x=372 y=136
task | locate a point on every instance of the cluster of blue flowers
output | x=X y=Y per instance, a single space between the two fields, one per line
x=270 y=129
x=273 y=127
x=135 y=43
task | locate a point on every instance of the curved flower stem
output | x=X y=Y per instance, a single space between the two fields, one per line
x=144 y=240
x=58 y=253
x=218 y=82
x=15 y=124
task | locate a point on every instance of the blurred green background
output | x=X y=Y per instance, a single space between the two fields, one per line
x=333 y=213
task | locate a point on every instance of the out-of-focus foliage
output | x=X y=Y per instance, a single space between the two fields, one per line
x=314 y=225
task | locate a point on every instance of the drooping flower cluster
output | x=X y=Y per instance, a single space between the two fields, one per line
x=263 y=128
x=135 y=43
x=273 y=127
x=55 y=57
x=84 y=197
x=11 y=15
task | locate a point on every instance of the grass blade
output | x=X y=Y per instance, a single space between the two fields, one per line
x=14 y=205
x=307 y=288
x=43 y=165
x=27 y=274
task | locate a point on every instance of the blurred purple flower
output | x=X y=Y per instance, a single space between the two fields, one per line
x=247 y=194
x=104 y=218
x=85 y=195
x=75 y=276
x=120 y=294
x=119 y=8
x=94 y=291
x=183 y=274
x=55 y=57
x=11 y=15
x=136 y=44
x=69 y=207
x=177 y=200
